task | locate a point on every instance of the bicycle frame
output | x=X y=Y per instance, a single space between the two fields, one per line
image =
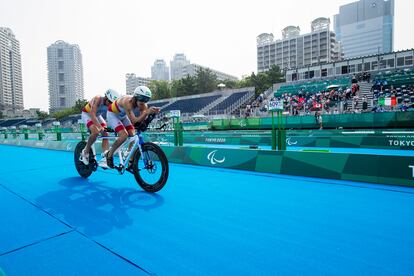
x=138 y=142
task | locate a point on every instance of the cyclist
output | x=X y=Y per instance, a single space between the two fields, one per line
x=121 y=117
x=95 y=122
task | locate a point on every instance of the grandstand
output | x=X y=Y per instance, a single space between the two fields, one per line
x=12 y=122
x=228 y=102
x=191 y=105
x=313 y=86
x=397 y=86
x=159 y=104
x=218 y=102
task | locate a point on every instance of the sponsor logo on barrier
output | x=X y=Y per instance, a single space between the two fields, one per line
x=212 y=158
x=401 y=143
x=215 y=140
x=289 y=141
x=39 y=144
x=412 y=169
x=243 y=123
x=69 y=147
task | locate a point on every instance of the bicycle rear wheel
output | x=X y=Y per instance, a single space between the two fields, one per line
x=150 y=170
x=84 y=170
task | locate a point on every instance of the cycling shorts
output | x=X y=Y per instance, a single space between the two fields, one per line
x=87 y=120
x=118 y=123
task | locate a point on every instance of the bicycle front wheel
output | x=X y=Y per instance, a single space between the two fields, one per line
x=84 y=170
x=151 y=168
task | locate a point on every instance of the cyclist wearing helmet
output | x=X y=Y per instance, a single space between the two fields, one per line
x=121 y=117
x=95 y=122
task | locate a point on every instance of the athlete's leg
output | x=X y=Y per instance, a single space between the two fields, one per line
x=130 y=129
x=92 y=137
x=105 y=142
x=115 y=123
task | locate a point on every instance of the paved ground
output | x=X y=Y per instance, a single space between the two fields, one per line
x=204 y=222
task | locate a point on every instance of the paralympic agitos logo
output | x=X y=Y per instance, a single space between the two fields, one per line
x=290 y=142
x=213 y=160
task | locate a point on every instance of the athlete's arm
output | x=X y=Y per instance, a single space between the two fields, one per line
x=94 y=108
x=144 y=111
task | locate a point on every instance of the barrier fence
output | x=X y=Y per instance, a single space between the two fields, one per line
x=381 y=169
x=354 y=121
x=402 y=139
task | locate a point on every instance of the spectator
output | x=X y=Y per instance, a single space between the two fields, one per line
x=318 y=119
x=364 y=104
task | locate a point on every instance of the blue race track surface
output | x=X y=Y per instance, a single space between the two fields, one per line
x=205 y=221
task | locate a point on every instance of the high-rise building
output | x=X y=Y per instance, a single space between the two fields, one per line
x=296 y=50
x=177 y=65
x=11 y=88
x=65 y=74
x=365 y=27
x=132 y=82
x=160 y=70
x=192 y=68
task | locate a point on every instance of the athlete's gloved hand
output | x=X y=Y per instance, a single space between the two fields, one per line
x=142 y=126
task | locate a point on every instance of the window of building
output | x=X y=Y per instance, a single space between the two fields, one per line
x=374 y=65
x=344 y=70
x=359 y=69
x=352 y=68
x=60 y=52
x=60 y=64
x=390 y=63
x=367 y=66
x=338 y=71
x=408 y=60
x=61 y=89
x=311 y=74
x=62 y=102
x=400 y=61
x=383 y=64
x=61 y=77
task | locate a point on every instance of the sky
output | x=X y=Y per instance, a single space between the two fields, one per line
x=126 y=36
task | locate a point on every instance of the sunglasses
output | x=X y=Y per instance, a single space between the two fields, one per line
x=143 y=99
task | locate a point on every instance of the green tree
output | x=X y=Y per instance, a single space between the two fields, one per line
x=230 y=83
x=64 y=113
x=160 y=89
x=183 y=87
x=245 y=82
x=79 y=105
x=41 y=115
x=206 y=81
x=274 y=75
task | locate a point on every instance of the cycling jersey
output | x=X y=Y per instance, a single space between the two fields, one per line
x=88 y=107
x=86 y=117
x=117 y=109
x=117 y=118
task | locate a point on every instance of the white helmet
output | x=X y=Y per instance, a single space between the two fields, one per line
x=111 y=95
x=142 y=94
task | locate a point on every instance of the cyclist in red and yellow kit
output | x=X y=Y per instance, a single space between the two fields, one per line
x=96 y=123
x=121 y=117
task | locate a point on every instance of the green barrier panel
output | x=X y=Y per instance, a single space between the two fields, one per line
x=382 y=139
x=196 y=126
x=393 y=170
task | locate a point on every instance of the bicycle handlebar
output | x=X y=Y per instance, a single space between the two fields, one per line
x=142 y=126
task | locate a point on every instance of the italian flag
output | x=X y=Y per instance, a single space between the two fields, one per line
x=388 y=101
